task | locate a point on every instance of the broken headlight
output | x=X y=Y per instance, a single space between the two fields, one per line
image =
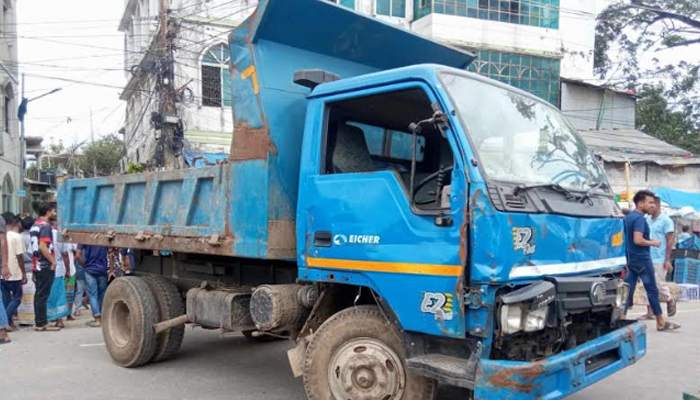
x=516 y=318
x=526 y=309
x=623 y=290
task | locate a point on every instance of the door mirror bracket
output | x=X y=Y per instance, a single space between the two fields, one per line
x=443 y=220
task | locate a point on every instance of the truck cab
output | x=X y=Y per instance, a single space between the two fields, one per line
x=402 y=221
x=436 y=188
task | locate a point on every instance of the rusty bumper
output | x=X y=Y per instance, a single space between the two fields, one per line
x=563 y=374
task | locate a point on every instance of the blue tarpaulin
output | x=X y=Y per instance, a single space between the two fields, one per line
x=203 y=159
x=678 y=199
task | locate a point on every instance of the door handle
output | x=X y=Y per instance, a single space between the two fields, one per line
x=322 y=239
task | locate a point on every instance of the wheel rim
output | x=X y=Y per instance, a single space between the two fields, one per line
x=120 y=323
x=366 y=369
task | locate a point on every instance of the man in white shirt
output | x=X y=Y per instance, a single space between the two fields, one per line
x=12 y=284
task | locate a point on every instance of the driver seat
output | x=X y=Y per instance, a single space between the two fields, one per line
x=351 y=153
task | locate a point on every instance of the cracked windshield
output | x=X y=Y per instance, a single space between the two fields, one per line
x=522 y=140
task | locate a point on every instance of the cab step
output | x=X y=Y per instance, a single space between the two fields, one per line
x=453 y=371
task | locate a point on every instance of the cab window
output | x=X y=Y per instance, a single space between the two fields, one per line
x=371 y=133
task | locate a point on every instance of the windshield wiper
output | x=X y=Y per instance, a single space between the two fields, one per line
x=587 y=195
x=554 y=186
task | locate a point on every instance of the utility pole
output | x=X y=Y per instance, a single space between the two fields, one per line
x=22 y=143
x=21 y=113
x=169 y=146
x=92 y=130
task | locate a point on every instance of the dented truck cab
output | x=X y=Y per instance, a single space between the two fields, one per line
x=508 y=250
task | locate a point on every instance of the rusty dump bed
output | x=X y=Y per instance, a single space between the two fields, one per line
x=246 y=207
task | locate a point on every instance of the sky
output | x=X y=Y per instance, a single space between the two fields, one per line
x=77 y=41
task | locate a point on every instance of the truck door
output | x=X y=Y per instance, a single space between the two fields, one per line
x=361 y=225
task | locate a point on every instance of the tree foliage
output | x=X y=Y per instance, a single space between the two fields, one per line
x=655 y=116
x=639 y=41
x=101 y=157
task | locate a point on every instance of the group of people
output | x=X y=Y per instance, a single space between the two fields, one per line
x=650 y=240
x=61 y=273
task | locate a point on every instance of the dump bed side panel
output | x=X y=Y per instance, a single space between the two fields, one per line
x=182 y=210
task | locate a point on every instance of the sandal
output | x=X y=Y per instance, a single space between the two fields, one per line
x=646 y=317
x=671 y=308
x=47 y=328
x=93 y=324
x=668 y=326
x=5 y=340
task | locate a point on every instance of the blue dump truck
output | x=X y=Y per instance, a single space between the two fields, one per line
x=404 y=222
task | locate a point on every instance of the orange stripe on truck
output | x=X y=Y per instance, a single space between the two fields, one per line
x=383 y=266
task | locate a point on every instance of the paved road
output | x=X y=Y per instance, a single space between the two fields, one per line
x=73 y=364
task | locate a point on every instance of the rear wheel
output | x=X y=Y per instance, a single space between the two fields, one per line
x=356 y=354
x=128 y=314
x=170 y=305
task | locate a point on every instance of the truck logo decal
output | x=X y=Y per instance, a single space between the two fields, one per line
x=523 y=239
x=341 y=240
x=438 y=304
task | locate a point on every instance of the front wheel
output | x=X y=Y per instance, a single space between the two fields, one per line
x=356 y=354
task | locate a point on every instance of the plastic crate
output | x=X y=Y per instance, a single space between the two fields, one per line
x=692 y=243
x=687 y=270
x=689 y=292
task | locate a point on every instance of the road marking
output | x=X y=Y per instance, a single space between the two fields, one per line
x=91 y=344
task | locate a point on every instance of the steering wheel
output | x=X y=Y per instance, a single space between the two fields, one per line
x=424 y=182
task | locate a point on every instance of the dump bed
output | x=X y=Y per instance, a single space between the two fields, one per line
x=246 y=206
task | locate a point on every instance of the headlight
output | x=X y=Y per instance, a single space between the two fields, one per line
x=535 y=320
x=623 y=291
x=516 y=318
x=511 y=318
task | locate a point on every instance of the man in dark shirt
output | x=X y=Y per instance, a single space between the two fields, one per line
x=94 y=262
x=44 y=265
x=639 y=264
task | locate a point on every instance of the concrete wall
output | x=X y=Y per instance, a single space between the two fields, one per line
x=10 y=157
x=646 y=176
x=582 y=106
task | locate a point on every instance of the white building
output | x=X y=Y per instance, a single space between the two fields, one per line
x=10 y=149
x=529 y=44
x=201 y=70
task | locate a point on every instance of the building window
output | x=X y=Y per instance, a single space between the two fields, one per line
x=537 y=75
x=7 y=193
x=345 y=3
x=216 y=77
x=392 y=8
x=540 y=13
x=7 y=108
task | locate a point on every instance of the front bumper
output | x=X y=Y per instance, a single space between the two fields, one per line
x=563 y=374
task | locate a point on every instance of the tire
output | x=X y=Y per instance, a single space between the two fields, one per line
x=170 y=306
x=359 y=347
x=128 y=315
